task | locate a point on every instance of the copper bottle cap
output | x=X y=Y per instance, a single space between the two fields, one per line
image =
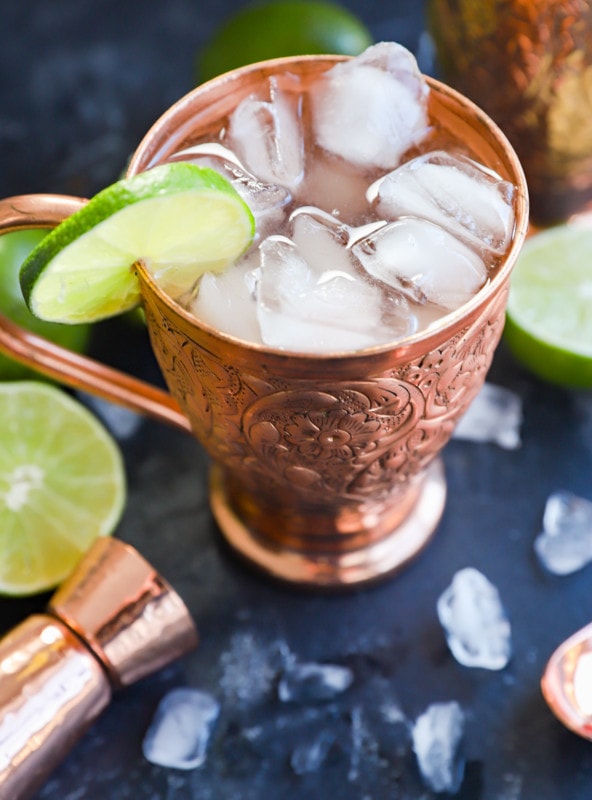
x=129 y=616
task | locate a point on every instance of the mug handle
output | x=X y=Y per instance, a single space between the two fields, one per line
x=56 y=362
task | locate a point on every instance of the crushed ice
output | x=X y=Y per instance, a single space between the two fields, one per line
x=180 y=731
x=249 y=669
x=309 y=682
x=475 y=623
x=495 y=415
x=565 y=543
x=437 y=736
x=310 y=755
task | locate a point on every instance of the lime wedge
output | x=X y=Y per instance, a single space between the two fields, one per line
x=62 y=484
x=179 y=219
x=549 y=313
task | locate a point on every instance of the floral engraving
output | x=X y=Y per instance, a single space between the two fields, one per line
x=337 y=439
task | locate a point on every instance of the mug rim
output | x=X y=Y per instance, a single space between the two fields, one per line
x=437 y=331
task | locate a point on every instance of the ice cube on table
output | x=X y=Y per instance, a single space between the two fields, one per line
x=180 y=731
x=565 y=543
x=309 y=756
x=310 y=682
x=371 y=109
x=437 y=736
x=495 y=415
x=267 y=136
x=266 y=201
x=424 y=261
x=453 y=191
x=225 y=301
x=474 y=620
x=320 y=303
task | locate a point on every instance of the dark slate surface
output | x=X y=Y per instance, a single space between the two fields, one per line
x=80 y=83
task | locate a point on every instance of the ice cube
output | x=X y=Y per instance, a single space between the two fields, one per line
x=424 y=261
x=321 y=240
x=437 y=736
x=225 y=301
x=266 y=201
x=267 y=137
x=310 y=755
x=321 y=306
x=180 y=731
x=309 y=683
x=475 y=623
x=565 y=543
x=456 y=193
x=495 y=415
x=249 y=669
x=371 y=109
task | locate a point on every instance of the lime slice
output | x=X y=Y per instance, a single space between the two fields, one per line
x=14 y=248
x=549 y=313
x=62 y=484
x=282 y=28
x=179 y=219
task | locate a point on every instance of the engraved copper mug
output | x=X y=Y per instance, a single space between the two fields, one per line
x=325 y=469
x=528 y=64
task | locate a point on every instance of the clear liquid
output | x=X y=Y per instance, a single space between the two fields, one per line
x=335 y=187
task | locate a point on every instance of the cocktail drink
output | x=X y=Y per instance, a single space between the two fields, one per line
x=326 y=369
x=372 y=222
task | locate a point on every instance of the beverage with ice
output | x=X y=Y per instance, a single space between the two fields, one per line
x=390 y=212
x=371 y=222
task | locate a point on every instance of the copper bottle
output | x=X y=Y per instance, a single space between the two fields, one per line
x=528 y=64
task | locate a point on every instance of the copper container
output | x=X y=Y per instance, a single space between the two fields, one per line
x=114 y=621
x=325 y=467
x=528 y=64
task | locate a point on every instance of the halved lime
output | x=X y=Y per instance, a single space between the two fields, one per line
x=549 y=313
x=62 y=484
x=179 y=219
x=282 y=28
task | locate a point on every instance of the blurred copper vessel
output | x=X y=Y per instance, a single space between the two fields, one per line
x=325 y=470
x=528 y=64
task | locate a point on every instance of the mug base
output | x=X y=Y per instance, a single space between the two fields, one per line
x=368 y=564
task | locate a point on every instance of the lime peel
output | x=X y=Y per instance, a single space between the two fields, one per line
x=549 y=312
x=179 y=219
x=282 y=28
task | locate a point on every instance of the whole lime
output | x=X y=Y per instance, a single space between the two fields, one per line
x=14 y=248
x=282 y=28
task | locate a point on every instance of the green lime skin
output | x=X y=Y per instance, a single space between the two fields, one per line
x=547 y=361
x=282 y=28
x=14 y=249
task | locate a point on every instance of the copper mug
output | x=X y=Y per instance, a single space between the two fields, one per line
x=528 y=64
x=325 y=470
